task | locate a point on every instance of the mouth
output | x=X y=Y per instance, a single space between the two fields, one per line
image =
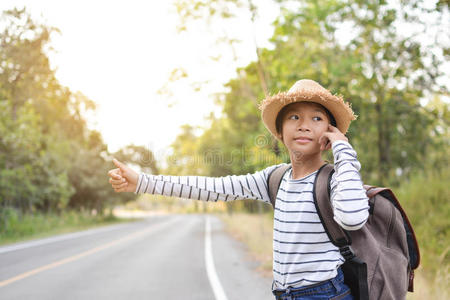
x=303 y=140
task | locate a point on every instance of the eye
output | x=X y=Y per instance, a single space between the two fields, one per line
x=293 y=117
x=319 y=118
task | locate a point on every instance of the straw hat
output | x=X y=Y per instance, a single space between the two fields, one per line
x=311 y=91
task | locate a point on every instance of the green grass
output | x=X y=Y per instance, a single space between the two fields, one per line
x=255 y=232
x=425 y=198
x=17 y=228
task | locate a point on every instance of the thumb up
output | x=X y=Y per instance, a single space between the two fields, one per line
x=123 y=178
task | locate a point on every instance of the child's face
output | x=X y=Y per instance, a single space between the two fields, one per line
x=307 y=120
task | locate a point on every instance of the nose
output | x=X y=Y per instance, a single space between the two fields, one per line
x=303 y=125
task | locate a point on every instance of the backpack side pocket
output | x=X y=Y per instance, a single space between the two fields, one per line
x=390 y=279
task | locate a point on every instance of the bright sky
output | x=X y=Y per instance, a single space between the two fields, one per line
x=120 y=53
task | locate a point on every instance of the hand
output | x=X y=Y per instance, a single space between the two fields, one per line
x=123 y=179
x=329 y=137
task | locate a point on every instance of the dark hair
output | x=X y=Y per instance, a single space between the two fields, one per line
x=280 y=116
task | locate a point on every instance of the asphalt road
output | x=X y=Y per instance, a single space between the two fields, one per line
x=161 y=257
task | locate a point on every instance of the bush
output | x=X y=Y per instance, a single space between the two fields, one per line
x=425 y=199
x=16 y=227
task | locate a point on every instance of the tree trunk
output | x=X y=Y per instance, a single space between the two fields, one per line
x=384 y=158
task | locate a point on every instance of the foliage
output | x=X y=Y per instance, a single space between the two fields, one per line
x=355 y=50
x=37 y=225
x=424 y=198
x=50 y=160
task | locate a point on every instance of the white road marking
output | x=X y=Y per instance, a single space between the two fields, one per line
x=217 y=288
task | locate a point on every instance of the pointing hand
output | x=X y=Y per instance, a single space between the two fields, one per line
x=123 y=178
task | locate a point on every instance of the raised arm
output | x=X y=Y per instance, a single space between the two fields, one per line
x=348 y=196
x=227 y=188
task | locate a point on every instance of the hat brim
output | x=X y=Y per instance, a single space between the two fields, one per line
x=341 y=110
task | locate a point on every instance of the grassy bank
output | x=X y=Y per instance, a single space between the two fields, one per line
x=255 y=231
x=18 y=228
x=425 y=199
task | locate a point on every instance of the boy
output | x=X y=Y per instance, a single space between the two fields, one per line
x=308 y=120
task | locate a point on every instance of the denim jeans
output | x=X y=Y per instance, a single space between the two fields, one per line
x=332 y=289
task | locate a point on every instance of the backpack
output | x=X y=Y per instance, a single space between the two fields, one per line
x=380 y=258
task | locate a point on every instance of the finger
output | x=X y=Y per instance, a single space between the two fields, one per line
x=324 y=138
x=120 y=186
x=332 y=128
x=119 y=164
x=115 y=173
x=118 y=175
x=323 y=143
x=321 y=138
x=119 y=190
x=118 y=181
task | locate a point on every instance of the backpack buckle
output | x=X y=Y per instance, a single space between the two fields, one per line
x=347 y=252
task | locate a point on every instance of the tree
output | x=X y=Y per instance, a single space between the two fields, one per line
x=29 y=170
x=382 y=73
x=49 y=159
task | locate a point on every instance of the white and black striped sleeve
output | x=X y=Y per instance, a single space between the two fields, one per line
x=348 y=196
x=227 y=188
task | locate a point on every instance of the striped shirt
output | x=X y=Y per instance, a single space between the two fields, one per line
x=302 y=252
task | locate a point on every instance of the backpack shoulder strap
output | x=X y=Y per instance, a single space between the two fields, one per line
x=274 y=182
x=321 y=193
